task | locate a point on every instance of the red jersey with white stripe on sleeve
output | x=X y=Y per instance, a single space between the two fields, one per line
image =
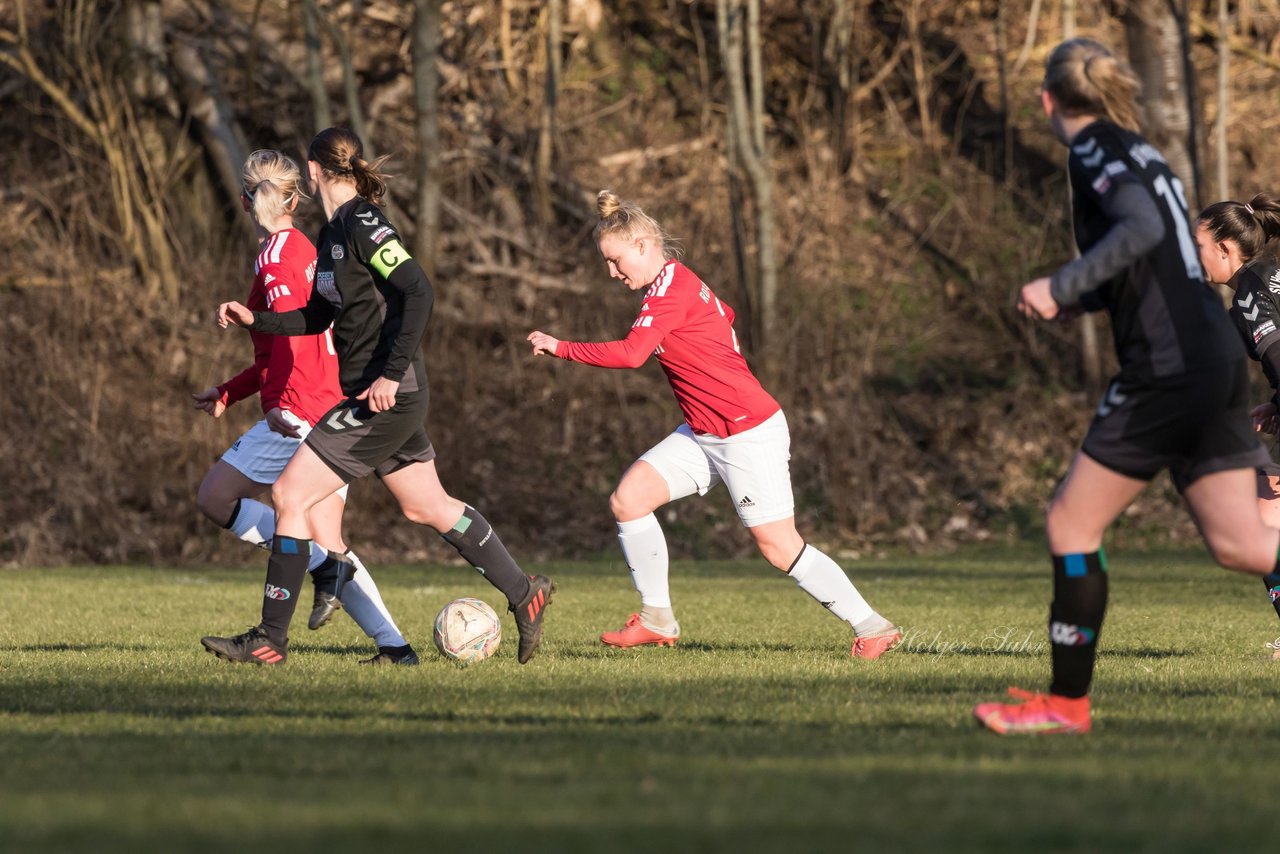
x=691 y=332
x=296 y=373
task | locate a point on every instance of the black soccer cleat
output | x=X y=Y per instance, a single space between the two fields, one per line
x=323 y=607
x=393 y=655
x=252 y=646
x=529 y=615
x=329 y=578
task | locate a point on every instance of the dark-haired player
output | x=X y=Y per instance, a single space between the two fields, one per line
x=379 y=301
x=297 y=382
x=1179 y=401
x=1232 y=237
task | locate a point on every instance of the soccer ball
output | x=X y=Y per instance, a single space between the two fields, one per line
x=467 y=630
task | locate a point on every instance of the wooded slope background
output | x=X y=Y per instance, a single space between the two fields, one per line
x=867 y=183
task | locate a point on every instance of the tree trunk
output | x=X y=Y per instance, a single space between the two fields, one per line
x=315 y=67
x=426 y=86
x=729 y=30
x=747 y=146
x=758 y=168
x=1002 y=73
x=1090 y=353
x=1224 y=99
x=547 y=120
x=923 y=80
x=1156 y=48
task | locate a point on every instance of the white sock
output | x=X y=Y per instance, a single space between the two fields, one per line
x=255 y=523
x=361 y=599
x=824 y=580
x=645 y=550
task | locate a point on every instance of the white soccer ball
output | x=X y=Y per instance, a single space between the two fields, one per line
x=467 y=630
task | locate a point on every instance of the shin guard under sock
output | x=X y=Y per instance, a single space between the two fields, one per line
x=1075 y=620
x=285 y=571
x=478 y=543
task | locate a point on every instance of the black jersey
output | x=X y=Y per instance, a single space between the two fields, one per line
x=1255 y=310
x=1255 y=306
x=1139 y=260
x=375 y=295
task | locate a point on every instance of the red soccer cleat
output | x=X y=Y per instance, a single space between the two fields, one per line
x=1040 y=714
x=874 y=646
x=635 y=633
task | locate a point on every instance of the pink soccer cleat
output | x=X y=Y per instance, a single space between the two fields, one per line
x=1040 y=714
x=874 y=646
x=635 y=633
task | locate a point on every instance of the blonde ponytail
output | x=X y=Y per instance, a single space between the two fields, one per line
x=627 y=220
x=272 y=183
x=1085 y=78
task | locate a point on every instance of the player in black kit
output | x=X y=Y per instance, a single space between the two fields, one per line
x=379 y=301
x=1232 y=237
x=1179 y=401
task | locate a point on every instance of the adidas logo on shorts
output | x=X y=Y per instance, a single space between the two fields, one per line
x=746 y=502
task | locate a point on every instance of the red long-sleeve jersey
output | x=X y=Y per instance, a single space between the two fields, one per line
x=298 y=373
x=691 y=331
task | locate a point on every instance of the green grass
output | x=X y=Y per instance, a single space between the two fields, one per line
x=118 y=733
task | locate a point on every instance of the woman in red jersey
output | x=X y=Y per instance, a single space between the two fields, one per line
x=297 y=382
x=734 y=433
x=378 y=301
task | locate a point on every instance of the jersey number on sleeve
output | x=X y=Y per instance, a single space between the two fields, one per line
x=1177 y=204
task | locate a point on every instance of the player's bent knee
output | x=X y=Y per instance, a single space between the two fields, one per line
x=1242 y=557
x=628 y=504
x=432 y=515
x=214 y=503
x=286 y=500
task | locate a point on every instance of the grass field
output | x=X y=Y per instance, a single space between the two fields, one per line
x=118 y=733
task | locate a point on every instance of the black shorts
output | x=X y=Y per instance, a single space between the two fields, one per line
x=356 y=442
x=1193 y=424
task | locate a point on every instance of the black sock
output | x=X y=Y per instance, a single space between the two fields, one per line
x=1272 y=582
x=285 y=571
x=1075 y=620
x=478 y=543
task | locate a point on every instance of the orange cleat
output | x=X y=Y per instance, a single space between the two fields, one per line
x=875 y=646
x=635 y=633
x=1039 y=714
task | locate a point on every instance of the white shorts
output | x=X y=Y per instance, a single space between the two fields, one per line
x=753 y=465
x=261 y=453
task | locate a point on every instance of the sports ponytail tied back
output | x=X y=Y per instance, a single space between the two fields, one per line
x=341 y=155
x=1250 y=225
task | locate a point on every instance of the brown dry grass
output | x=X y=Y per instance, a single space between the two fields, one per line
x=923 y=412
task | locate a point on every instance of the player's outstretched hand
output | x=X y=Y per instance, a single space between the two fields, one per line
x=279 y=424
x=542 y=343
x=380 y=396
x=1035 y=301
x=209 y=401
x=233 y=312
x=1264 y=418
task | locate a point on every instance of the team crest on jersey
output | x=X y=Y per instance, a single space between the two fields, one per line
x=336 y=252
x=1103 y=182
x=324 y=284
